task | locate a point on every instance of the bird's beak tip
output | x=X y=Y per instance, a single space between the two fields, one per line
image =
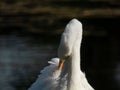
x=60 y=65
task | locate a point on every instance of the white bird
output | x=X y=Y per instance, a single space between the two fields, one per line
x=64 y=72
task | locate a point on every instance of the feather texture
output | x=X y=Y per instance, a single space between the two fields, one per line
x=48 y=79
x=70 y=77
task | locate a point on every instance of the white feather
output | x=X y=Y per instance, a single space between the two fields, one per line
x=48 y=79
x=70 y=77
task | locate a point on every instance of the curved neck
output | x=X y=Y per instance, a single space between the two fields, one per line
x=75 y=67
x=75 y=58
x=72 y=67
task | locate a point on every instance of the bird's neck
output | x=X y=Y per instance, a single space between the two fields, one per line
x=72 y=67
x=75 y=67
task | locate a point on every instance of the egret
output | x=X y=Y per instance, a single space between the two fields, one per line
x=64 y=72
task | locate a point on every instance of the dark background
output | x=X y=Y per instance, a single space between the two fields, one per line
x=30 y=33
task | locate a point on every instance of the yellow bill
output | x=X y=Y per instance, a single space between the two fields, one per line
x=61 y=62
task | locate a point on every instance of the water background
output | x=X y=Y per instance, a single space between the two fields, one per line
x=30 y=34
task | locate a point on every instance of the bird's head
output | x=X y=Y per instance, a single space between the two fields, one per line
x=71 y=34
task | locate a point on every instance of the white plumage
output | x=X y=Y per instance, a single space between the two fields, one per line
x=67 y=76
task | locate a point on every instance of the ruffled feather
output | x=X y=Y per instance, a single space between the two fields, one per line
x=48 y=78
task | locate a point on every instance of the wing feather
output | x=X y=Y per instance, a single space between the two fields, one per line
x=48 y=78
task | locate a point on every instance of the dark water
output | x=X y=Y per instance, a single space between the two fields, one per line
x=22 y=57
